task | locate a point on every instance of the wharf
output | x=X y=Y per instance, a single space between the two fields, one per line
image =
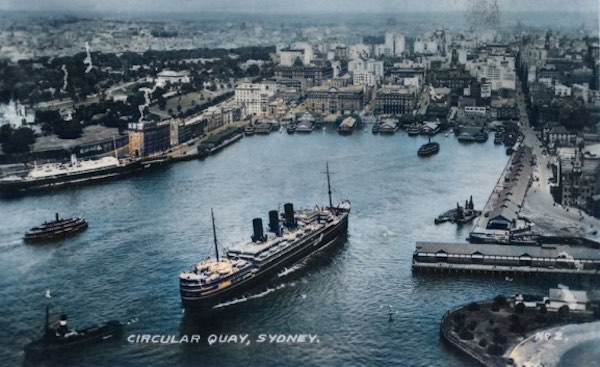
x=505 y=259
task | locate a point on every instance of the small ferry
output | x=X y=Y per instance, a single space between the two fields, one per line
x=413 y=130
x=428 y=149
x=375 y=128
x=58 y=228
x=498 y=138
x=249 y=130
x=62 y=337
x=291 y=128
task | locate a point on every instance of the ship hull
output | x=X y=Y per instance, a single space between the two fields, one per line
x=107 y=331
x=19 y=187
x=320 y=241
x=55 y=235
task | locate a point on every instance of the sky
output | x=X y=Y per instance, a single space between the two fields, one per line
x=294 y=6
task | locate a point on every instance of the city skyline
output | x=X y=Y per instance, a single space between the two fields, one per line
x=274 y=6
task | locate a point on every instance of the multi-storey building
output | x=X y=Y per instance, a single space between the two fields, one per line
x=579 y=181
x=314 y=75
x=146 y=138
x=323 y=99
x=395 y=99
x=255 y=97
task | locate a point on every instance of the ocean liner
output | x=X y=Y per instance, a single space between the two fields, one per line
x=293 y=236
x=76 y=171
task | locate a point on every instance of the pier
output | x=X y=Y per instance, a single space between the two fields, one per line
x=457 y=258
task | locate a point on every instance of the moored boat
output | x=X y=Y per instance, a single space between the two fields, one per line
x=58 y=228
x=249 y=130
x=75 y=172
x=413 y=130
x=293 y=236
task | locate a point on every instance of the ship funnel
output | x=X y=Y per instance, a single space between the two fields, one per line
x=290 y=222
x=258 y=230
x=274 y=222
x=62 y=321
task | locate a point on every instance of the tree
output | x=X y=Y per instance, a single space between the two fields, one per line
x=5 y=132
x=19 y=141
x=162 y=103
x=520 y=308
x=46 y=128
x=253 y=70
x=564 y=311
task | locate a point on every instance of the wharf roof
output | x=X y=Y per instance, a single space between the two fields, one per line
x=534 y=251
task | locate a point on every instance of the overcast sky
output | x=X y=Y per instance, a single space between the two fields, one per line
x=293 y=6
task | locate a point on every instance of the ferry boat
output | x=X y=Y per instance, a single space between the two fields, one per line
x=249 y=130
x=291 y=128
x=413 y=130
x=58 y=228
x=62 y=337
x=76 y=171
x=375 y=128
x=429 y=149
x=293 y=236
x=498 y=138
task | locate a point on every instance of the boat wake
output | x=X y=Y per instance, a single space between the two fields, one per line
x=253 y=296
x=287 y=271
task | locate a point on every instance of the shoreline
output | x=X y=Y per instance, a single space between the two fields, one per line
x=503 y=341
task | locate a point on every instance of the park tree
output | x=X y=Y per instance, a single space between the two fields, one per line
x=19 y=141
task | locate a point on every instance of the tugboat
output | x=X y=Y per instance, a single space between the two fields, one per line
x=294 y=235
x=61 y=337
x=55 y=229
x=460 y=214
x=249 y=130
x=428 y=149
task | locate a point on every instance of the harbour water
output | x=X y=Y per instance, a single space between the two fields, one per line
x=144 y=230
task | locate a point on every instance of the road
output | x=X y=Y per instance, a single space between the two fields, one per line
x=539 y=206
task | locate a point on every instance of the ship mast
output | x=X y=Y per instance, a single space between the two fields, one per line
x=214 y=233
x=47 y=326
x=328 y=185
x=115 y=147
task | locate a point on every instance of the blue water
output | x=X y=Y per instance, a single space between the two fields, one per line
x=145 y=230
